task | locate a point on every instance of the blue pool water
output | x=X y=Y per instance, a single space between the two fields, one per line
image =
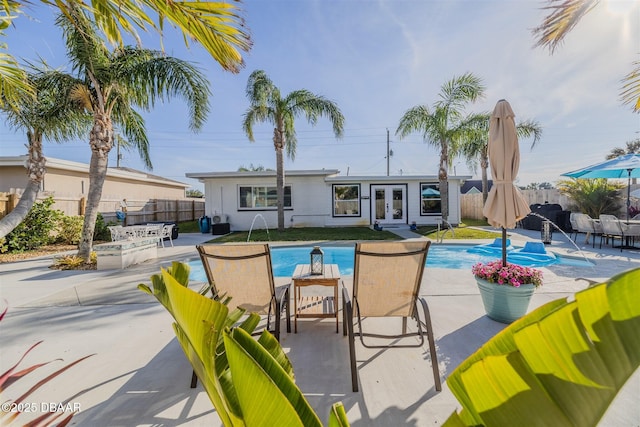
x=284 y=259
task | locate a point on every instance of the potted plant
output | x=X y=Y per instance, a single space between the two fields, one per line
x=506 y=289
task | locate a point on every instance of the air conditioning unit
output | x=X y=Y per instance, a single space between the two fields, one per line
x=220 y=218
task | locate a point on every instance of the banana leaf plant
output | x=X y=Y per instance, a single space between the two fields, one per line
x=250 y=382
x=561 y=365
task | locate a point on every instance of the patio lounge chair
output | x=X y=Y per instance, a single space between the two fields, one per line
x=386 y=282
x=244 y=273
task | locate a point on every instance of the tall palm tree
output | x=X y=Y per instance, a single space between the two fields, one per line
x=444 y=126
x=45 y=116
x=267 y=105
x=108 y=85
x=564 y=15
x=217 y=26
x=476 y=143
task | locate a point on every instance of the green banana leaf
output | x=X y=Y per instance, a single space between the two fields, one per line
x=250 y=382
x=560 y=365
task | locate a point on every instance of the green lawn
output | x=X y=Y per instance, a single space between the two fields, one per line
x=463 y=231
x=309 y=234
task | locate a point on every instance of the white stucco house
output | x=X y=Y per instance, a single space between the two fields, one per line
x=324 y=198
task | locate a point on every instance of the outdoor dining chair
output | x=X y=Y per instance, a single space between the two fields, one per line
x=611 y=229
x=165 y=233
x=586 y=224
x=386 y=282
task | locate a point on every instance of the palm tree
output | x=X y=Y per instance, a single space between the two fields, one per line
x=633 y=147
x=217 y=26
x=45 y=116
x=107 y=85
x=443 y=126
x=564 y=15
x=267 y=105
x=476 y=143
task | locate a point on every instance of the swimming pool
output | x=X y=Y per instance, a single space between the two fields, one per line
x=284 y=259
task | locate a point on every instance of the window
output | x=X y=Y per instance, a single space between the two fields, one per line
x=262 y=197
x=430 y=202
x=346 y=200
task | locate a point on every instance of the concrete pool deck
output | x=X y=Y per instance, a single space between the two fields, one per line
x=138 y=375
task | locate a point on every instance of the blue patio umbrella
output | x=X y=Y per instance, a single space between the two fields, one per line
x=627 y=166
x=430 y=192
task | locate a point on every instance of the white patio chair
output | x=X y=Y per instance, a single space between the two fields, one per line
x=586 y=224
x=154 y=230
x=116 y=233
x=166 y=231
x=611 y=228
x=630 y=231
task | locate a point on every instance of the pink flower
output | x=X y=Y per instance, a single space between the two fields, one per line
x=511 y=274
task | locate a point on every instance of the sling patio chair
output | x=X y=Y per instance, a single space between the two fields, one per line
x=386 y=282
x=244 y=274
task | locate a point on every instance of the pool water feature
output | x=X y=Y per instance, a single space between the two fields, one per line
x=284 y=259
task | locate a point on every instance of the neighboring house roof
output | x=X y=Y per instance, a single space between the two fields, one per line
x=124 y=173
x=475 y=184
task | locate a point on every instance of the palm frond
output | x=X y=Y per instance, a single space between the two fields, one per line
x=563 y=16
x=529 y=128
x=217 y=26
x=458 y=92
x=630 y=94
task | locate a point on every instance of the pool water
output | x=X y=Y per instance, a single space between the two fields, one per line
x=285 y=259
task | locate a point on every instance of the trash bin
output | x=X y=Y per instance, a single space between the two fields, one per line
x=205 y=224
x=546 y=232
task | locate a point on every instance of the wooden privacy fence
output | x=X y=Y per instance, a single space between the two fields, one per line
x=471 y=204
x=138 y=211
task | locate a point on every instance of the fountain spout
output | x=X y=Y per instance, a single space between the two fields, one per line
x=253 y=222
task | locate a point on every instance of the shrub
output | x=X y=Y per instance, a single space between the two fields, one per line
x=101 y=232
x=36 y=228
x=593 y=196
x=69 y=230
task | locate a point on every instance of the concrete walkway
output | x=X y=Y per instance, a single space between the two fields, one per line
x=138 y=375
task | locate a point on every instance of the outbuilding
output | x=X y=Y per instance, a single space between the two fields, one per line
x=324 y=198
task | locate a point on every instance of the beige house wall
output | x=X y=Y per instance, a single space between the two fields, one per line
x=68 y=182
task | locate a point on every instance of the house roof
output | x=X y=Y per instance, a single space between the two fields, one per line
x=258 y=174
x=124 y=173
x=332 y=175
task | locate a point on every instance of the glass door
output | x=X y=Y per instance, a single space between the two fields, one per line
x=389 y=204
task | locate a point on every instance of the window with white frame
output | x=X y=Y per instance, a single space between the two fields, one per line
x=430 y=201
x=346 y=200
x=262 y=197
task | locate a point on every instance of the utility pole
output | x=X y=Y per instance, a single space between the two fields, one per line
x=388 y=152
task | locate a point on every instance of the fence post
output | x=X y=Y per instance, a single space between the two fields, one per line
x=82 y=206
x=177 y=213
x=13 y=201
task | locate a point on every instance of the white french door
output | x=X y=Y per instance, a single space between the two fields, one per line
x=388 y=204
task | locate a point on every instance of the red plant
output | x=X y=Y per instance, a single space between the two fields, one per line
x=11 y=409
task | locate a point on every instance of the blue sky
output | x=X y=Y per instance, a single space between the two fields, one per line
x=376 y=59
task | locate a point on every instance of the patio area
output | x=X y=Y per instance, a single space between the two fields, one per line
x=138 y=374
